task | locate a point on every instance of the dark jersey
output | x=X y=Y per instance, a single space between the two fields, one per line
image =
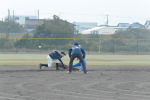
x=56 y=55
x=76 y=50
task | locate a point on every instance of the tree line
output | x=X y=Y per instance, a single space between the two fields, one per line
x=58 y=28
x=10 y=26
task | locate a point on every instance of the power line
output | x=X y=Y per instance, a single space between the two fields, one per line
x=98 y=15
x=75 y=14
x=128 y=17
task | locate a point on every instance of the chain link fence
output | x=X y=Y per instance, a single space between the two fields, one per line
x=91 y=45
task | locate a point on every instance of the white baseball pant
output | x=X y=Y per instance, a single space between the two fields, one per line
x=49 y=59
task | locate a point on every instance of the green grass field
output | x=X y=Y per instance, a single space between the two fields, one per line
x=92 y=60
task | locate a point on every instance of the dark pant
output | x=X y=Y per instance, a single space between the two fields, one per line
x=81 y=60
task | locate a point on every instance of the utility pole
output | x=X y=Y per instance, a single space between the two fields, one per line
x=99 y=43
x=13 y=16
x=8 y=14
x=38 y=17
x=107 y=20
x=59 y=14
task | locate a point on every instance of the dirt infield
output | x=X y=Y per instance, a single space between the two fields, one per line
x=101 y=83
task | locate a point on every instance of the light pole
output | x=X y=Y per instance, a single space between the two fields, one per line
x=99 y=42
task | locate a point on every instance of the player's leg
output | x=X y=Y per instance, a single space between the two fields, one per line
x=83 y=64
x=57 y=66
x=76 y=65
x=70 y=63
x=49 y=59
x=46 y=65
x=81 y=67
x=57 y=63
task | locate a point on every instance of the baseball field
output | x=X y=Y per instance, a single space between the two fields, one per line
x=110 y=77
x=92 y=60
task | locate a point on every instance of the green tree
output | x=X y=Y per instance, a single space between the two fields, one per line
x=132 y=33
x=55 y=28
x=10 y=26
x=6 y=42
x=51 y=28
x=24 y=42
x=118 y=43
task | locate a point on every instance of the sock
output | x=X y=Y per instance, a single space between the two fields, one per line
x=46 y=65
x=56 y=66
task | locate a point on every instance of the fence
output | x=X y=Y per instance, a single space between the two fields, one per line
x=91 y=45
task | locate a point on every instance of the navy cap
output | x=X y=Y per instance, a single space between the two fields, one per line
x=63 y=53
x=76 y=43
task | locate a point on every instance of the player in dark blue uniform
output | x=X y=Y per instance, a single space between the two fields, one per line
x=56 y=57
x=76 y=52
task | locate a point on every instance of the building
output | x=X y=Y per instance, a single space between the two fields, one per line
x=137 y=25
x=21 y=19
x=31 y=24
x=100 y=30
x=123 y=25
x=81 y=26
x=119 y=27
x=133 y=25
x=147 y=24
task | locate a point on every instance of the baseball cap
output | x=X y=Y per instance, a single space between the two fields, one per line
x=76 y=43
x=63 y=53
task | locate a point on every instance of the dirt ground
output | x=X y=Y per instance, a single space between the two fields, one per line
x=101 y=83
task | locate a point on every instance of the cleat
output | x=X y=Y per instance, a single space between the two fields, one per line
x=40 y=66
x=85 y=72
x=68 y=72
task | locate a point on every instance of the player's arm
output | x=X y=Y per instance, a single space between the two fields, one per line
x=58 y=57
x=61 y=62
x=83 y=52
x=69 y=52
x=56 y=52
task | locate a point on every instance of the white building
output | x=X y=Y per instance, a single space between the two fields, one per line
x=100 y=30
x=147 y=24
x=21 y=19
x=81 y=26
x=120 y=28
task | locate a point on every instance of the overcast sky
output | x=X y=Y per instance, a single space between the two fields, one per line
x=118 y=11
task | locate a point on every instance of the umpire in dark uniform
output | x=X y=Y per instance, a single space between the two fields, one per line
x=76 y=52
